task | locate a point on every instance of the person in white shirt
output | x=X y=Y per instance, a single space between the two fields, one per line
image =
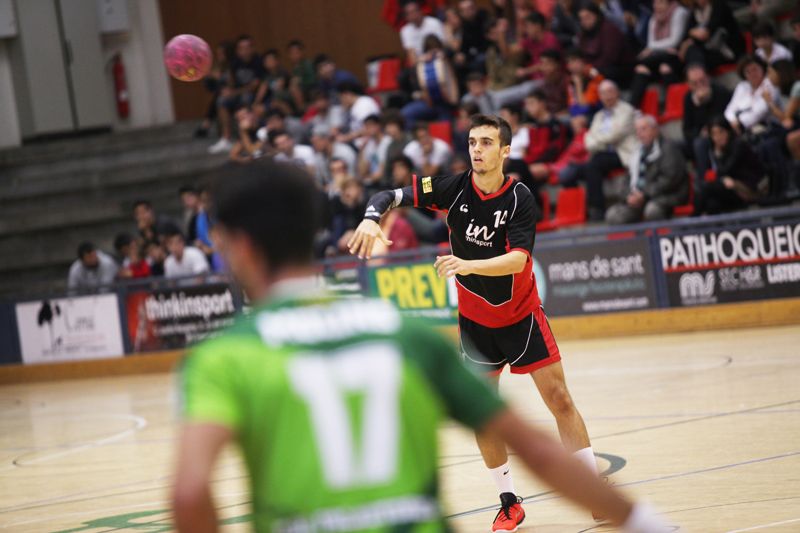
x=416 y=28
x=748 y=110
x=766 y=47
x=660 y=60
x=183 y=260
x=373 y=147
x=288 y=152
x=429 y=154
x=358 y=107
x=92 y=269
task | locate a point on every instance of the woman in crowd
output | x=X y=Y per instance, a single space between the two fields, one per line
x=748 y=111
x=714 y=37
x=659 y=60
x=737 y=168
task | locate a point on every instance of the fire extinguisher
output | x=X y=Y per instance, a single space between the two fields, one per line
x=120 y=87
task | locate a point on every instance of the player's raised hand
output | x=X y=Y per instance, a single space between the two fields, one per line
x=363 y=239
x=450 y=265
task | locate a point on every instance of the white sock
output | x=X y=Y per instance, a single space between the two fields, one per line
x=502 y=478
x=586 y=456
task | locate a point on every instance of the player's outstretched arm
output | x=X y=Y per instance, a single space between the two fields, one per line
x=199 y=446
x=363 y=239
x=509 y=263
x=550 y=462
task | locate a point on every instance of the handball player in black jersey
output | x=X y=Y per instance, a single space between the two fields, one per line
x=492 y=222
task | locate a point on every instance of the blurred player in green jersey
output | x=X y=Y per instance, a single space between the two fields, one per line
x=335 y=403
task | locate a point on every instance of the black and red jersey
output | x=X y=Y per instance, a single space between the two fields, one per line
x=482 y=226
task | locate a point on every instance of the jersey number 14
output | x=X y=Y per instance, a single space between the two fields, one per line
x=323 y=381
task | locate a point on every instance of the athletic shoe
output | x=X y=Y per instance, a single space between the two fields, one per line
x=222 y=145
x=510 y=514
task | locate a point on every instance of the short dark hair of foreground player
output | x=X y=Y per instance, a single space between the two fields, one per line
x=266 y=223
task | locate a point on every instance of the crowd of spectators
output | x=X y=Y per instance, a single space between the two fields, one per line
x=570 y=77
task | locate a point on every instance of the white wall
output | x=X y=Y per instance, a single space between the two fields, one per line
x=141 y=49
x=9 y=121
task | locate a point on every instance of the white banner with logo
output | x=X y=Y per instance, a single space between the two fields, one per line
x=70 y=329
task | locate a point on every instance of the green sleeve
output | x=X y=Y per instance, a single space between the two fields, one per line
x=209 y=385
x=467 y=398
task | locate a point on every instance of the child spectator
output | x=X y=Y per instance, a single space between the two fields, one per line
x=583 y=96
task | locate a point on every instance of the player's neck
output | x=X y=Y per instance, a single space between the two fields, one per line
x=489 y=182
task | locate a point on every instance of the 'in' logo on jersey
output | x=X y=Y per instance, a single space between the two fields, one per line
x=427 y=186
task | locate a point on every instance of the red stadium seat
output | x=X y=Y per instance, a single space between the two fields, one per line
x=748 y=42
x=382 y=75
x=686 y=209
x=711 y=174
x=673 y=108
x=570 y=210
x=545 y=196
x=442 y=130
x=649 y=104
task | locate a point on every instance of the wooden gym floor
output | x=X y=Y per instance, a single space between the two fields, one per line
x=706 y=426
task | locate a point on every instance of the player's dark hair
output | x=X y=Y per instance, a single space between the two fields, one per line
x=85 y=248
x=503 y=128
x=275 y=204
x=536 y=18
x=137 y=203
x=350 y=87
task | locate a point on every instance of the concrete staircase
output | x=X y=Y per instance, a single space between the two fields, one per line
x=54 y=195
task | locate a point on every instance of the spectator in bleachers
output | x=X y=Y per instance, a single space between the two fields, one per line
x=489 y=102
x=373 y=147
x=327 y=149
x=323 y=112
x=248 y=146
x=474 y=20
x=438 y=87
x=604 y=45
x=394 y=128
x=304 y=77
x=92 y=269
x=347 y=210
x=791 y=122
x=515 y=165
x=714 y=38
x=122 y=245
x=738 y=172
x=358 y=106
x=503 y=59
x=659 y=60
x=417 y=27
x=564 y=23
x=748 y=111
x=429 y=155
x=766 y=47
x=555 y=81
x=782 y=75
x=155 y=254
x=275 y=119
x=452 y=30
x=183 y=260
x=286 y=150
x=203 y=227
x=761 y=10
x=217 y=78
x=548 y=135
x=274 y=89
x=135 y=265
x=569 y=163
x=461 y=127
x=537 y=39
x=704 y=100
x=794 y=43
x=190 y=200
x=611 y=142
x=583 y=95
x=658 y=180
x=152 y=227
x=246 y=74
x=329 y=76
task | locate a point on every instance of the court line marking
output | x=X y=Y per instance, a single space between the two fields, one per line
x=764 y=526
x=139 y=424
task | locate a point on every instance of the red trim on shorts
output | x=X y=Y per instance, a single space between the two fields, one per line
x=527 y=369
x=495 y=194
x=547 y=334
x=414 y=185
x=498 y=371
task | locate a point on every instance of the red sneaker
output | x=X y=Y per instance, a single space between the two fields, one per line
x=510 y=514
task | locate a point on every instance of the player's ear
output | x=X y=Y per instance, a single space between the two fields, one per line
x=505 y=151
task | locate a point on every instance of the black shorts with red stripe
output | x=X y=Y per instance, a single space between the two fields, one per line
x=525 y=346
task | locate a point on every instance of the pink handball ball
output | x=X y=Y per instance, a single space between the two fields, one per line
x=187 y=57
